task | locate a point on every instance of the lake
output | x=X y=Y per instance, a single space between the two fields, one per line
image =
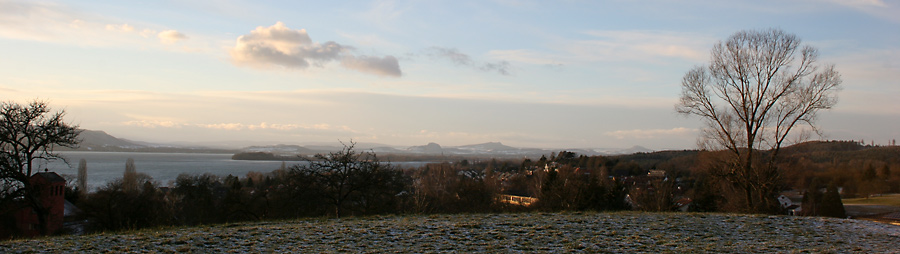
x=103 y=167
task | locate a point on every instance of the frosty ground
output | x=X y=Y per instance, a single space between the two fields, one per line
x=524 y=232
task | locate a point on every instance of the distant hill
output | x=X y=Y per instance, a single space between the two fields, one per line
x=490 y=146
x=100 y=141
x=430 y=148
x=430 y=151
x=92 y=140
x=96 y=140
x=823 y=146
x=841 y=151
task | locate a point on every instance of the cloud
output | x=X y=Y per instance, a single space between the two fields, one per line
x=651 y=133
x=146 y=123
x=36 y=21
x=147 y=33
x=384 y=14
x=861 y=3
x=527 y=56
x=870 y=80
x=123 y=27
x=518 y=3
x=279 y=45
x=631 y=45
x=263 y=126
x=615 y=46
x=171 y=36
x=60 y=24
x=459 y=58
x=877 y=8
x=385 y=66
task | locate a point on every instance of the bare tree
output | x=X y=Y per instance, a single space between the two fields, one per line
x=759 y=86
x=29 y=133
x=351 y=181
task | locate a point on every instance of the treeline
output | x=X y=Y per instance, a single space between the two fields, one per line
x=858 y=171
x=349 y=183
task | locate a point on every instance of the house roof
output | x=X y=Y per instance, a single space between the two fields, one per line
x=683 y=202
x=50 y=176
x=70 y=209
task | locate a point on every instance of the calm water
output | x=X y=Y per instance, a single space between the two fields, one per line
x=103 y=167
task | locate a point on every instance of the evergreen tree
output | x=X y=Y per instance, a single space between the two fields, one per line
x=82 y=177
x=831 y=203
x=129 y=179
x=812 y=199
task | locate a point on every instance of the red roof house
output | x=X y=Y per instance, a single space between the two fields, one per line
x=51 y=191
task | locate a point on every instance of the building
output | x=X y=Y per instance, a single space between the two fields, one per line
x=51 y=190
x=517 y=200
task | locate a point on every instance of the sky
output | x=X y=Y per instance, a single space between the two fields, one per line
x=543 y=74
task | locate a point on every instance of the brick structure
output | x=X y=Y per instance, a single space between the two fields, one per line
x=51 y=191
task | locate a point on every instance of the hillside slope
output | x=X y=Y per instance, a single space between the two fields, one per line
x=625 y=232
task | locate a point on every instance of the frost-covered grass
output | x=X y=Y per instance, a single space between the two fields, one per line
x=629 y=232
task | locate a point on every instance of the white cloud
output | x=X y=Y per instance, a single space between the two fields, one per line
x=171 y=36
x=56 y=23
x=147 y=123
x=279 y=45
x=147 y=33
x=263 y=126
x=123 y=27
x=224 y=126
x=36 y=21
x=651 y=133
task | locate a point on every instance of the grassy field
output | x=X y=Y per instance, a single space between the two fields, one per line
x=628 y=232
x=886 y=200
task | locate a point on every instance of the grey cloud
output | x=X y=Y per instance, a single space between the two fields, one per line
x=502 y=67
x=279 y=45
x=452 y=54
x=462 y=59
x=385 y=66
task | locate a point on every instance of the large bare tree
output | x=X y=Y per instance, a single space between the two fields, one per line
x=761 y=89
x=29 y=133
x=352 y=181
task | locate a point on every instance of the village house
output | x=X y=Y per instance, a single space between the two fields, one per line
x=51 y=189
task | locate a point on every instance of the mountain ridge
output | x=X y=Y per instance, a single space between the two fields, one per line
x=98 y=140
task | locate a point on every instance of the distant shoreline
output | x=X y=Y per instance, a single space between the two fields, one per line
x=145 y=149
x=390 y=157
